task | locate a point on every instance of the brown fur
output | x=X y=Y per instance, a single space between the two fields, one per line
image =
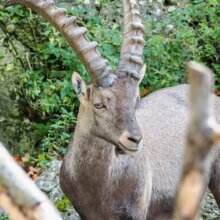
x=102 y=184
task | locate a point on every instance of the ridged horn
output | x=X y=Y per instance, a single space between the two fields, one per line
x=96 y=66
x=133 y=42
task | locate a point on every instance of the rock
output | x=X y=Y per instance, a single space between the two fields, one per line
x=70 y=214
x=86 y=2
x=10 y=28
x=171 y=8
x=15 y=132
x=1 y=212
x=48 y=182
x=142 y=3
x=170 y=27
x=50 y=178
x=161 y=1
x=210 y=209
x=157 y=12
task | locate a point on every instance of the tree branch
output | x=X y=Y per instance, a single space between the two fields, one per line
x=203 y=133
x=19 y=196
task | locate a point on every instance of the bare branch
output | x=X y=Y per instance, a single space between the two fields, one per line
x=19 y=196
x=203 y=132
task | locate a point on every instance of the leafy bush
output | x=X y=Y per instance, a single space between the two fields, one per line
x=190 y=33
x=186 y=33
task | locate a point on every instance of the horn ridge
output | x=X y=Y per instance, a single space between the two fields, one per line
x=133 y=41
x=76 y=38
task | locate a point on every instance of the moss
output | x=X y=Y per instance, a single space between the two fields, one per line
x=15 y=129
x=62 y=204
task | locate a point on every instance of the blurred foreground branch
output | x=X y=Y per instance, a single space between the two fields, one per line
x=203 y=133
x=19 y=196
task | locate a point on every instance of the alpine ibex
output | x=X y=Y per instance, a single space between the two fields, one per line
x=125 y=158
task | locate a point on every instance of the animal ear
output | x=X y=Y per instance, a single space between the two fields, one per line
x=142 y=72
x=79 y=87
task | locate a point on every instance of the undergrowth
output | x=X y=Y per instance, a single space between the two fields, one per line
x=189 y=33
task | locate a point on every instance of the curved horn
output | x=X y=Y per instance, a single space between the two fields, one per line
x=133 y=41
x=96 y=66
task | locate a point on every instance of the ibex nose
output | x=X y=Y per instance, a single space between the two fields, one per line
x=136 y=138
x=129 y=142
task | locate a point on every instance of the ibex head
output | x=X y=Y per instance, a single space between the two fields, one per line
x=108 y=105
x=110 y=111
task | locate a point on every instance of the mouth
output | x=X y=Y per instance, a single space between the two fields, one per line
x=121 y=149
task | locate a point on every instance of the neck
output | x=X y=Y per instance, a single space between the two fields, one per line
x=91 y=151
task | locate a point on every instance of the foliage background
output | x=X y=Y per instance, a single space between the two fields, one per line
x=35 y=78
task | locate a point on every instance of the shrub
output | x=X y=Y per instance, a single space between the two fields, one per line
x=186 y=33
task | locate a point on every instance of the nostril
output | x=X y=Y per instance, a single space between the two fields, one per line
x=135 y=140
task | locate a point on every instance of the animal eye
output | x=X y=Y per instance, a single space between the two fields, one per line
x=99 y=105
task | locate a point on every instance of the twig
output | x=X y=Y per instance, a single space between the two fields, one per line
x=31 y=27
x=28 y=61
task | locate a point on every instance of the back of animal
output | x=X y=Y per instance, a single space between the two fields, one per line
x=163 y=118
